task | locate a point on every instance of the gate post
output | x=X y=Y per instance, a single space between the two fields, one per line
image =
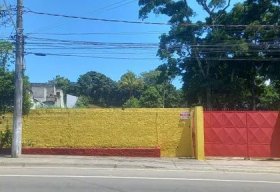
x=199 y=133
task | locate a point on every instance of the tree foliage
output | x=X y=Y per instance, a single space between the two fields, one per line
x=130 y=85
x=7 y=77
x=99 y=88
x=150 y=89
x=151 y=98
x=61 y=82
x=161 y=80
x=223 y=66
x=7 y=90
x=6 y=49
x=82 y=102
x=132 y=103
x=6 y=138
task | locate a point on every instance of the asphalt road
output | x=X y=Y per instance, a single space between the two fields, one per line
x=71 y=179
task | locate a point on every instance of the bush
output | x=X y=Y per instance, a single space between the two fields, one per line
x=6 y=138
x=132 y=103
x=83 y=102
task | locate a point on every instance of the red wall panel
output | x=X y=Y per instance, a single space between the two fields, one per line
x=242 y=134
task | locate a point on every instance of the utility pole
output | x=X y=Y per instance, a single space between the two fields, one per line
x=17 y=117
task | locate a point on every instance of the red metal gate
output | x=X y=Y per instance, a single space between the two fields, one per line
x=242 y=134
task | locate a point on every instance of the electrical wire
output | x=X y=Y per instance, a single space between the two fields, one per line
x=99 y=33
x=117 y=5
x=131 y=58
x=265 y=45
x=85 y=56
x=111 y=6
x=141 y=22
x=38 y=43
x=96 y=19
x=225 y=49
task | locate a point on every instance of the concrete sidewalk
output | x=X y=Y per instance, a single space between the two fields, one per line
x=223 y=165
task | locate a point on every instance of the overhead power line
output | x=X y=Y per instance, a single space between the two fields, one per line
x=98 y=10
x=116 y=5
x=84 y=48
x=49 y=40
x=37 y=43
x=265 y=45
x=133 y=58
x=138 y=22
x=87 y=56
x=100 y=33
x=113 y=6
x=222 y=47
x=96 y=19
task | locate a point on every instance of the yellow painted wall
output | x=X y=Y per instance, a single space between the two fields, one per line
x=110 y=128
x=5 y=121
x=199 y=133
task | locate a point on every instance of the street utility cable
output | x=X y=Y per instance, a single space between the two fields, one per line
x=139 y=22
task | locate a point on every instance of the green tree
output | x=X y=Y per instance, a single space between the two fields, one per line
x=173 y=98
x=177 y=47
x=7 y=90
x=82 y=102
x=26 y=102
x=161 y=80
x=218 y=63
x=261 y=43
x=100 y=89
x=66 y=85
x=6 y=50
x=61 y=82
x=7 y=87
x=151 y=77
x=132 y=103
x=6 y=138
x=151 y=98
x=270 y=99
x=130 y=85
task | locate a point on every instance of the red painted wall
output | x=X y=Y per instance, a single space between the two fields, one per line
x=127 y=152
x=242 y=134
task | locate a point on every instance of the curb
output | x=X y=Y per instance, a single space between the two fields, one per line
x=141 y=167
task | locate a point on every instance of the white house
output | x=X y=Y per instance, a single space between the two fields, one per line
x=46 y=95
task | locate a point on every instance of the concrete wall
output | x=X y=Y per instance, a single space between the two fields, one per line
x=40 y=93
x=110 y=128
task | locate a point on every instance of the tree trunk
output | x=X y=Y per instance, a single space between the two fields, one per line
x=253 y=91
x=208 y=98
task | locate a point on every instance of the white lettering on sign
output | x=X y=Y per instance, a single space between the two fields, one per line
x=185 y=115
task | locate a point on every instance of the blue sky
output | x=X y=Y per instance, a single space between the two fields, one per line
x=42 y=69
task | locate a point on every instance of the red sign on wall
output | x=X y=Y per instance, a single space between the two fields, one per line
x=185 y=115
